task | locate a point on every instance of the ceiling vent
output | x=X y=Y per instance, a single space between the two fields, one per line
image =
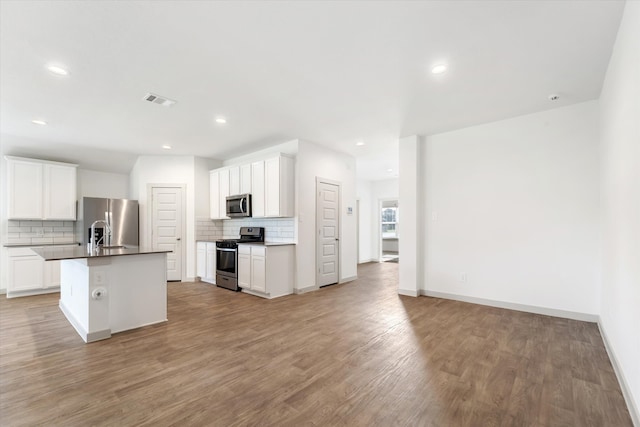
x=157 y=99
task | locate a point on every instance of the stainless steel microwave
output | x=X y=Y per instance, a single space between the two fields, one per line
x=239 y=206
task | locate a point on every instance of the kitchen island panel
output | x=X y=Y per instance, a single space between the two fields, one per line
x=110 y=294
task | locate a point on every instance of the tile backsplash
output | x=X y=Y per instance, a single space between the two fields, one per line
x=58 y=232
x=208 y=230
x=275 y=229
x=39 y=232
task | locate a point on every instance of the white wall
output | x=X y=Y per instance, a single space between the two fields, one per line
x=186 y=170
x=316 y=161
x=620 y=136
x=517 y=205
x=202 y=194
x=410 y=196
x=366 y=219
x=102 y=184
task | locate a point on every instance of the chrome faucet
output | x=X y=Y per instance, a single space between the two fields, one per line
x=93 y=245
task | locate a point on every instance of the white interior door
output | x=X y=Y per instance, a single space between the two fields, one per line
x=167 y=227
x=328 y=224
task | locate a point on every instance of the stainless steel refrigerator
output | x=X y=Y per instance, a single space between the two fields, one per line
x=121 y=214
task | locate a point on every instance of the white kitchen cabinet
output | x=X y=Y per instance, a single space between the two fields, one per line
x=38 y=189
x=279 y=187
x=214 y=194
x=59 y=192
x=218 y=192
x=266 y=271
x=29 y=274
x=257 y=189
x=224 y=192
x=270 y=182
x=201 y=259
x=211 y=263
x=245 y=179
x=26 y=271
x=258 y=269
x=234 y=180
x=206 y=261
x=51 y=276
x=24 y=189
x=244 y=267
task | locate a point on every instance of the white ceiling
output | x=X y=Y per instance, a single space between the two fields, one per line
x=329 y=72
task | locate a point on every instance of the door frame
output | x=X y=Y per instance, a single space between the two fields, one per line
x=317 y=241
x=379 y=214
x=148 y=231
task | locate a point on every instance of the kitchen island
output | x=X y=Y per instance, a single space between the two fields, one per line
x=110 y=290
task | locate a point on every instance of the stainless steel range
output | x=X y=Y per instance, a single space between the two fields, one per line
x=227 y=256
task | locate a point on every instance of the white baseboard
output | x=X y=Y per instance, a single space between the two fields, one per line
x=348 y=279
x=305 y=290
x=33 y=292
x=586 y=317
x=86 y=336
x=624 y=385
x=364 y=261
x=408 y=292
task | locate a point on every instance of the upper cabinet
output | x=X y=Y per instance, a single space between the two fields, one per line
x=219 y=190
x=234 y=180
x=271 y=183
x=39 y=189
x=245 y=179
x=257 y=189
x=278 y=187
x=214 y=194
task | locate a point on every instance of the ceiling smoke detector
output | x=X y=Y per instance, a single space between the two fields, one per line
x=157 y=99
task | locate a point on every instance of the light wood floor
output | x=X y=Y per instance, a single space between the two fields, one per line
x=353 y=355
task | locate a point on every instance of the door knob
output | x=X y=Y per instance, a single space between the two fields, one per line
x=178 y=239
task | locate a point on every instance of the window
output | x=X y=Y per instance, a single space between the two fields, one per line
x=389 y=222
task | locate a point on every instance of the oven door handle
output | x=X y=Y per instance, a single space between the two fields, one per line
x=225 y=250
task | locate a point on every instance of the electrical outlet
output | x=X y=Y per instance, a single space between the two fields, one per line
x=40 y=233
x=463 y=277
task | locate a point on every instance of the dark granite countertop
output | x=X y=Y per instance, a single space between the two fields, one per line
x=38 y=245
x=79 y=252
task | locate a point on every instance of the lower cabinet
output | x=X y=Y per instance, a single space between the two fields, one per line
x=29 y=274
x=206 y=261
x=266 y=271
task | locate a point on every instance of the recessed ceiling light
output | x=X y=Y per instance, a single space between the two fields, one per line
x=39 y=122
x=221 y=120
x=166 y=147
x=359 y=143
x=55 y=69
x=439 y=69
x=389 y=170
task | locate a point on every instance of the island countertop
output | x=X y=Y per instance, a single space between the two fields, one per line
x=53 y=253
